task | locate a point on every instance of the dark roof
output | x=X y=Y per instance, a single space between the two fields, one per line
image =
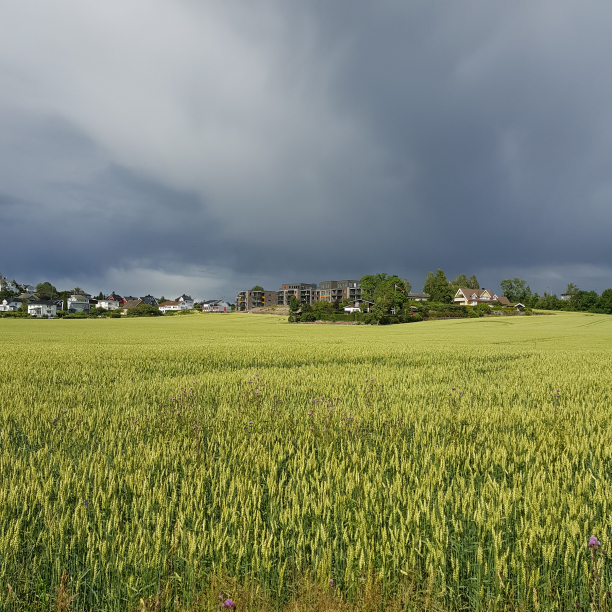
x=43 y=303
x=421 y=295
x=149 y=299
x=183 y=297
x=503 y=300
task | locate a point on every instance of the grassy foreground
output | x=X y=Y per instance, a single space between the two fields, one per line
x=161 y=462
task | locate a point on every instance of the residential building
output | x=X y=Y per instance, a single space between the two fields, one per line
x=216 y=306
x=131 y=304
x=78 y=302
x=31 y=289
x=172 y=306
x=247 y=300
x=10 y=305
x=418 y=297
x=149 y=299
x=187 y=300
x=27 y=297
x=566 y=297
x=473 y=297
x=336 y=291
x=111 y=302
x=7 y=285
x=306 y=293
x=42 y=308
x=355 y=306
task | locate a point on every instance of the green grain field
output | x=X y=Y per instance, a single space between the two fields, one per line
x=446 y=465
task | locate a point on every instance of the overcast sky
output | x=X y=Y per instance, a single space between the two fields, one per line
x=170 y=146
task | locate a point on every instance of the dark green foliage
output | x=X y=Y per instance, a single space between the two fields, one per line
x=46 y=289
x=438 y=288
x=517 y=290
x=257 y=288
x=584 y=301
x=461 y=280
x=294 y=304
x=604 y=304
x=389 y=293
x=144 y=310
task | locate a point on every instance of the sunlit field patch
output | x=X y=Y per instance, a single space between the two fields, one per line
x=167 y=463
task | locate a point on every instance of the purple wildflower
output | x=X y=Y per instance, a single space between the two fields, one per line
x=594 y=542
x=331 y=581
x=228 y=603
x=250 y=422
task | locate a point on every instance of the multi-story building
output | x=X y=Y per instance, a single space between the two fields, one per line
x=247 y=300
x=336 y=291
x=306 y=293
x=78 y=302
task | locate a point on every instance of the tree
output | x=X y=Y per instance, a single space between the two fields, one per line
x=144 y=310
x=100 y=296
x=46 y=289
x=516 y=290
x=473 y=283
x=294 y=304
x=584 y=300
x=322 y=307
x=438 y=288
x=383 y=301
x=430 y=283
x=571 y=290
x=257 y=288
x=368 y=283
x=604 y=303
x=461 y=282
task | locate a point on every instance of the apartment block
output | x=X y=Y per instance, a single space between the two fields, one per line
x=247 y=300
x=336 y=291
x=306 y=293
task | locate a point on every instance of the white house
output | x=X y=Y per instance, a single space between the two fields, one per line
x=42 y=308
x=418 y=297
x=111 y=302
x=10 y=305
x=7 y=285
x=473 y=297
x=29 y=289
x=216 y=306
x=172 y=306
x=187 y=300
x=355 y=306
x=78 y=302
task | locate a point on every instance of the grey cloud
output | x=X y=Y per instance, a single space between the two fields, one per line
x=270 y=140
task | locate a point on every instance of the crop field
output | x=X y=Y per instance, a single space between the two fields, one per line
x=164 y=463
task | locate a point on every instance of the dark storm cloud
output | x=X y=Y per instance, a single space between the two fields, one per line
x=215 y=145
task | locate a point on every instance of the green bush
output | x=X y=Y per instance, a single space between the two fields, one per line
x=144 y=310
